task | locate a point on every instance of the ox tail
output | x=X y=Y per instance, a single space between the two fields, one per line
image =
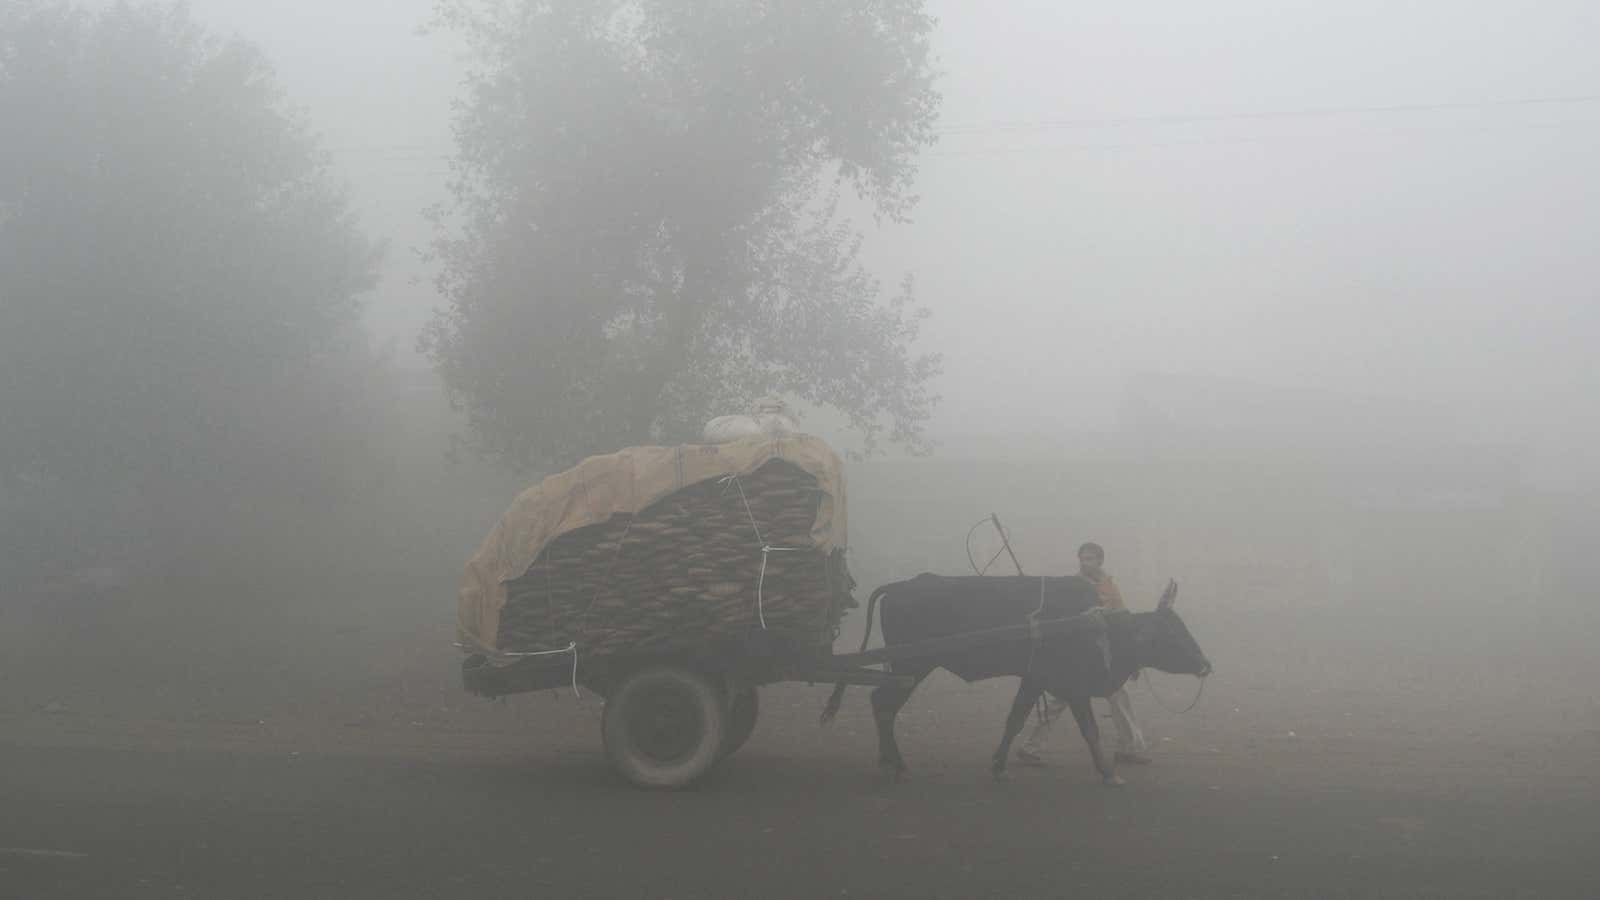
x=837 y=697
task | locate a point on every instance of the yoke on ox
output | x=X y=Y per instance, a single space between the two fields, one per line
x=1073 y=667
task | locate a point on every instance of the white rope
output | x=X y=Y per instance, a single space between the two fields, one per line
x=746 y=502
x=1033 y=626
x=761 y=614
x=766 y=549
x=575 y=692
x=570 y=648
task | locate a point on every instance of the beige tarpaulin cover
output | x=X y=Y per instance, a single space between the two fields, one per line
x=625 y=483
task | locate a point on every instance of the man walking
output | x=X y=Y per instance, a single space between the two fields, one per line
x=1131 y=746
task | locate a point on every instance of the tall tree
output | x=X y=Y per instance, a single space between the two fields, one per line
x=179 y=274
x=645 y=224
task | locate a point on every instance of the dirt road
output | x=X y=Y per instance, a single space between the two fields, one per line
x=1325 y=767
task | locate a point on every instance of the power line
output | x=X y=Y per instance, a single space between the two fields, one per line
x=415 y=151
x=1058 y=149
x=405 y=147
x=1047 y=149
x=1053 y=149
x=1309 y=112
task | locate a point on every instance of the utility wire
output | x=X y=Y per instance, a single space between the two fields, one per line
x=1310 y=112
x=414 y=152
x=1329 y=139
x=1058 y=149
x=418 y=148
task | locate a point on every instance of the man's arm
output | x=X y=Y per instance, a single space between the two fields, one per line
x=1110 y=596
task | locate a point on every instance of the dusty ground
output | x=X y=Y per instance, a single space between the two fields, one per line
x=1333 y=754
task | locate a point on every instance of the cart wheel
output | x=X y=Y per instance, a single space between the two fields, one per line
x=741 y=720
x=663 y=727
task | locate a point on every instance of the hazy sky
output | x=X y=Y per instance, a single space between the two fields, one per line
x=1437 y=254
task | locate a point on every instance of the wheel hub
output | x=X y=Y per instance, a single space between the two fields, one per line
x=666 y=726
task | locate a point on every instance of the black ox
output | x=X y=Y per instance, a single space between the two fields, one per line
x=1073 y=667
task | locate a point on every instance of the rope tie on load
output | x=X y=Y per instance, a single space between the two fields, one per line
x=766 y=549
x=583 y=618
x=570 y=648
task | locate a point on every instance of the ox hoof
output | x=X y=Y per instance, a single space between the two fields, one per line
x=1112 y=781
x=1002 y=776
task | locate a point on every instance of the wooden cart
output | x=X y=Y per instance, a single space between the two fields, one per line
x=670 y=718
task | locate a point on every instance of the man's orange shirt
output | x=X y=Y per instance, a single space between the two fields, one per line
x=1110 y=597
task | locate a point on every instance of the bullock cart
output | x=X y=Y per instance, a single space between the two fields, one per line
x=674 y=582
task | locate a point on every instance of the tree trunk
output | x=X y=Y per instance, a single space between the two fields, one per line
x=682 y=321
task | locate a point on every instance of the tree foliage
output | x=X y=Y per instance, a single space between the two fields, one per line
x=178 y=272
x=645 y=224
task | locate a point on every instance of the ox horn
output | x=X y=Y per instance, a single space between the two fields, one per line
x=1168 y=595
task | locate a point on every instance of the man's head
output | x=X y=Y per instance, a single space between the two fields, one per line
x=1091 y=557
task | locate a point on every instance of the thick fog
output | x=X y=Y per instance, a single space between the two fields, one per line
x=1291 y=302
x=1367 y=200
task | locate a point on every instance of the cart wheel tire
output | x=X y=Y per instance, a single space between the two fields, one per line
x=663 y=727
x=742 y=716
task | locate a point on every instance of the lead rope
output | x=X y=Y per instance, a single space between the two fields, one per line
x=1157 y=697
x=1033 y=627
x=1040 y=709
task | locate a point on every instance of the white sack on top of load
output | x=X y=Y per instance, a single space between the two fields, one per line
x=770 y=416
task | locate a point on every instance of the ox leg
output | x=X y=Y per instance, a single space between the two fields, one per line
x=1028 y=691
x=1083 y=711
x=886 y=703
